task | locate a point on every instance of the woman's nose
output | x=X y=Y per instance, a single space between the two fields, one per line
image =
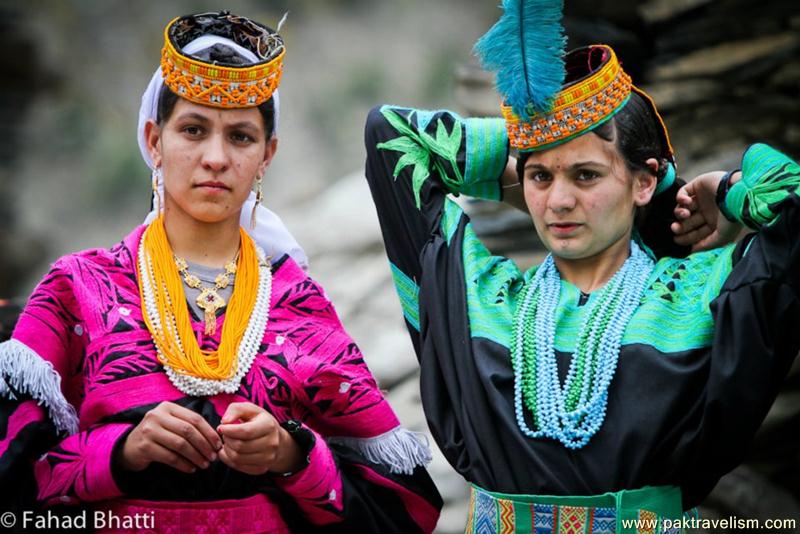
x=215 y=155
x=561 y=196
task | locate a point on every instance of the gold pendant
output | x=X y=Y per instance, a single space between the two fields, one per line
x=209 y=301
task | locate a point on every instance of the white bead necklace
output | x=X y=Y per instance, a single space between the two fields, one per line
x=248 y=347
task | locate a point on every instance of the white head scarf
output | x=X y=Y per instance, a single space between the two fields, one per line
x=270 y=233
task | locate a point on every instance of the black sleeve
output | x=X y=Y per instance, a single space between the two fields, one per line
x=756 y=322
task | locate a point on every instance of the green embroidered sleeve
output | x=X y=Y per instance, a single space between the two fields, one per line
x=768 y=178
x=465 y=156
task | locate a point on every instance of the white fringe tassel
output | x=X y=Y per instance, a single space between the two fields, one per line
x=400 y=449
x=26 y=372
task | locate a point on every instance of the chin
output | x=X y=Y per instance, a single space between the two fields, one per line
x=210 y=216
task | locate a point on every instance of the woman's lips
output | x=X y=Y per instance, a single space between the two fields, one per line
x=563 y=229
x=213 y=187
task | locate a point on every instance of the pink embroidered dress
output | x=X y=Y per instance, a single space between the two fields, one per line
x=80 y=371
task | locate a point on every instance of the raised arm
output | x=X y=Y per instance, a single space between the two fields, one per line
x=414 y=159
x=756 y=316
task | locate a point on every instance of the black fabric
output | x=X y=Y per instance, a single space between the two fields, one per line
x=365 y=504
x=682 y=418
x=17 y=483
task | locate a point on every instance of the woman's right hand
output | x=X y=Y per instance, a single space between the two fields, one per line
x=699 y=221
x=171 y=435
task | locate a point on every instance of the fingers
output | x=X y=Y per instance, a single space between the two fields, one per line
x=161 y=454
x=195 y=429
x=185 y=435
x=242 y=411
x=251 y=464
x=251 y=446
x=694 y=221
x=685 y=200
x=160 y=433
x=694 y=236
x=184 y=438
x=256 y=422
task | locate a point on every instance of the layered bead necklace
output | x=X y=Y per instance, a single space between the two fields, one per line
x=571 y=413
x=190 y=369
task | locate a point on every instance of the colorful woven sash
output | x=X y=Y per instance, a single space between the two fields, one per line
x=501 y=513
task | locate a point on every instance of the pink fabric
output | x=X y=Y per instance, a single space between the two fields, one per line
x=115 y=397
x=27 y=413
x=255 y=514
x=318 y=487
x=80 y=466
x=85 y=317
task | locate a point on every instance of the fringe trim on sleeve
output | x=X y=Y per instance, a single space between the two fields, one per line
x=26 y=372
x=399 y=449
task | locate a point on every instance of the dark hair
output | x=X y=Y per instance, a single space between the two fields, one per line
x=219 y=53
x=635 y=131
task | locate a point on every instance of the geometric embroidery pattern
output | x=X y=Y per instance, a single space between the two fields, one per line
x=485 y=514
x=572 y=519
x=604 y=520
x=543 y=518
x=648 y=521
x=488 y=514
x=506 y=517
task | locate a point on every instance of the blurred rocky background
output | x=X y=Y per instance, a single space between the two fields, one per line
x=725 y=73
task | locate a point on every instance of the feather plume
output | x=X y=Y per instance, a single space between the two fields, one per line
x=525 y=48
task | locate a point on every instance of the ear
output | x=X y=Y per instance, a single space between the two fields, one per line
x=152 y=135
x=644 y=183
x=269 y=153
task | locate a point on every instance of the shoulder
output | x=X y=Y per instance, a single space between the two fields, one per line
x=674 y=314
x=298 y=300
x=687 y=279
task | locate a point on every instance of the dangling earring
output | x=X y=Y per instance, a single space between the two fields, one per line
x=259 y=196
x=156 y=194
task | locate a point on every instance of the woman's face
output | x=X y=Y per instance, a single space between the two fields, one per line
x=209 y=159
x=582 y=197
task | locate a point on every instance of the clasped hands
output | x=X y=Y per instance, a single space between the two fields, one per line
x=249 y=439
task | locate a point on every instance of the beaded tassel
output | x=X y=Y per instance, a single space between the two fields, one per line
x=571 y=413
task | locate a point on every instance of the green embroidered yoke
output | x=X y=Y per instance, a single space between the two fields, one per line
x=709 y=344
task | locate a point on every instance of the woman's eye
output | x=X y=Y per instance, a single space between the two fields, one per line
x=538 y=176
x=193 y=131
x=586 y=175
x=240 y=137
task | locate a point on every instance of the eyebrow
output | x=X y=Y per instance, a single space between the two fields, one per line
x=244 y=124
x=191 y=115
x=194 y=116
x=575 y=165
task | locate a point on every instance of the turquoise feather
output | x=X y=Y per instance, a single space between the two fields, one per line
x=526 y=50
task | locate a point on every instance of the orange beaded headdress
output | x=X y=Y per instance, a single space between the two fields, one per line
x=219 y=84
x=551 y=97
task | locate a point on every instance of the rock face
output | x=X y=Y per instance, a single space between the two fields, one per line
x=22 y=78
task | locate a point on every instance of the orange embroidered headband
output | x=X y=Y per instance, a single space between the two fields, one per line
x=222 y=85
x=594 y=90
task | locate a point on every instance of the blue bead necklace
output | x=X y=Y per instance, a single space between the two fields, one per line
x=571 y=413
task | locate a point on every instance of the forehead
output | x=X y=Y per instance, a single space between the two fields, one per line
x=218 y=116
x=587 y=147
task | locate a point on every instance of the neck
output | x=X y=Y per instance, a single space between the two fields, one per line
x=592 y=273
x=209 y=244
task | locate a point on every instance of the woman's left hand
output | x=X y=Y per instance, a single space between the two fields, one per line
x=254 y=442
x=700 y=223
